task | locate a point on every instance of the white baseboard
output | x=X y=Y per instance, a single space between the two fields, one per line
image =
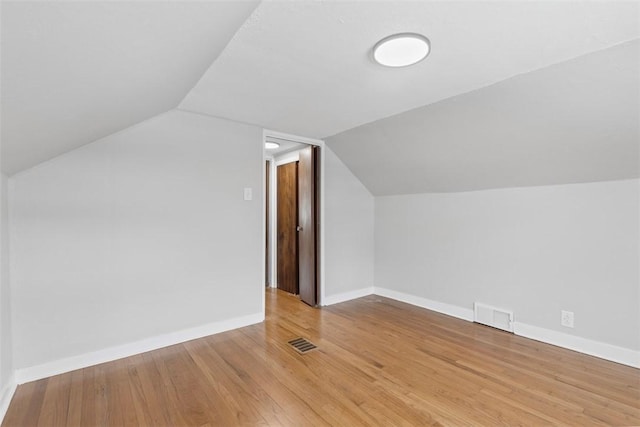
x=440 y=307
x=6 y=394
x=346 y=296
x=595 y=348
x=68 y=364
x=599 y=349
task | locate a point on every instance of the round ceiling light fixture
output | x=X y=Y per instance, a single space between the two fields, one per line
x=271 y=145
x=401 y=50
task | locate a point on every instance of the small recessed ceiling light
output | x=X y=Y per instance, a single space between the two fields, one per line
x=271 y=145
x=400 y=50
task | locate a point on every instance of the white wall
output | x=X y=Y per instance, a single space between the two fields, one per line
x=6 y=350
x=535 y=250
x=140 y=234
x=349 y=222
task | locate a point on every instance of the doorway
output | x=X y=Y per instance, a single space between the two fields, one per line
x=293 y=213
x=287 y=262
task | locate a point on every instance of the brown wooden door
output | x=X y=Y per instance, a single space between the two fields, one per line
x=287 y=206
x=307 y=231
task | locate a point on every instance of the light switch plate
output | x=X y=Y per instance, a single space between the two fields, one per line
x=248 y=193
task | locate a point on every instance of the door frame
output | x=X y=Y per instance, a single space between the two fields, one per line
x=272 y=225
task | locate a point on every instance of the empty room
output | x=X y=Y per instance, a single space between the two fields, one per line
x=331 y=213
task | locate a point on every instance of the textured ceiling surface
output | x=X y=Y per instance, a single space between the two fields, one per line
x=73 y=72
x=304 y=67
x=577 y=121
x=513 y=93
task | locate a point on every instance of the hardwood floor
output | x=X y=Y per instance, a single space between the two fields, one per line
x=379 y=362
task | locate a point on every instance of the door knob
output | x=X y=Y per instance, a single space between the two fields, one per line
x=298 y=228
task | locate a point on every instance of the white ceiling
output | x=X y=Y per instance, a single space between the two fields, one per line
x=285 y=146
x=577 y=121
x=73 y=72
x=304 y=67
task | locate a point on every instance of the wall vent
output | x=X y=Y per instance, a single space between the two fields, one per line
x=493 y=316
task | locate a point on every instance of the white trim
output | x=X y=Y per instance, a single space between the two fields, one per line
x=272 y=221
x=68 y=364
x=322 y=222
x=347 y=296
x=440 y=307
x=263 y=261
x=6 y=394
x=273 y=235
x=599 y=349
x=292 y=137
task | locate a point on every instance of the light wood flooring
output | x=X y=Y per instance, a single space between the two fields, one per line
x=378 y=362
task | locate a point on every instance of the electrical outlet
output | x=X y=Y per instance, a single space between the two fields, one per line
x=566 y=319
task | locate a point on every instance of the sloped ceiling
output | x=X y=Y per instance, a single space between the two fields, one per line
x=577 y=121
x=304 y=67
x=73 y=72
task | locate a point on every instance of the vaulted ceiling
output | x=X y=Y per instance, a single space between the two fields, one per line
x=513 y=93
x=73 y=72
x=576 y=121
x=304 y=67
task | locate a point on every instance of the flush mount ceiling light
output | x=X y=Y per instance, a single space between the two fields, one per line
x=401 y=50
x=271 y=145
